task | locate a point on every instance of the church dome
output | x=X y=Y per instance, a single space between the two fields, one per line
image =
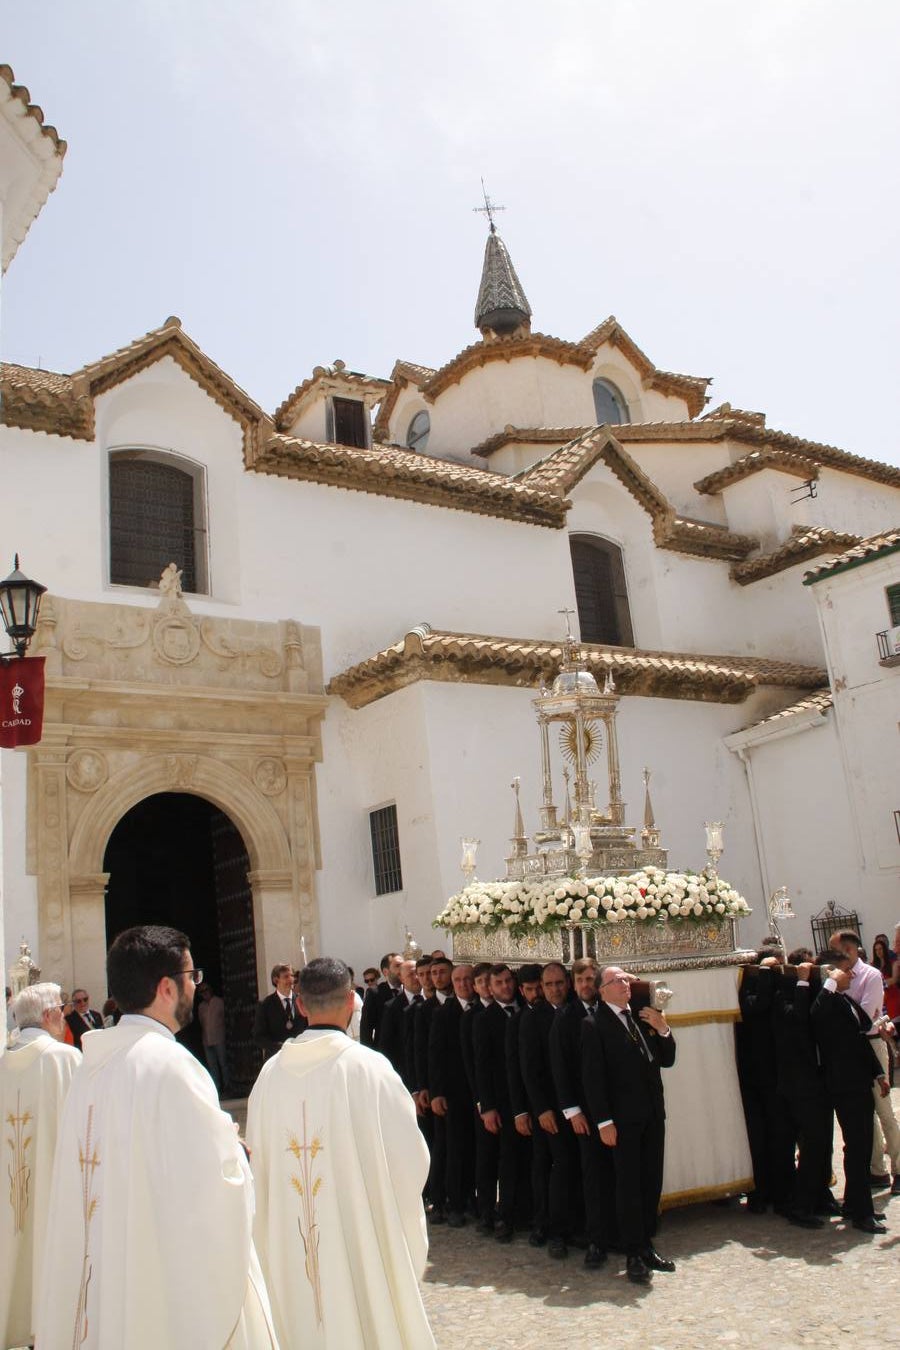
x=502 y=307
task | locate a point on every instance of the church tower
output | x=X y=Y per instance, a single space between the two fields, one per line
x=502 y=309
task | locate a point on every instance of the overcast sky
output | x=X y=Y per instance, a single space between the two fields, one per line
x=296 y=181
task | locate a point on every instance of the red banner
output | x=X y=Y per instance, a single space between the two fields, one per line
x=21 y=701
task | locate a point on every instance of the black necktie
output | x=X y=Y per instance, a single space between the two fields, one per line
x=288 y=1011
x=635 y=1034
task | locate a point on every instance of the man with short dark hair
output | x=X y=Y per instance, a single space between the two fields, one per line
x=495 y=1104
x=340 y=1165
x=450 y=1096
x=278 y=1017
x=377 y=997
x=434 y=977
x=149 y=1226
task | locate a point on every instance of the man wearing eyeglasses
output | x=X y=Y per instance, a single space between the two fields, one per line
x=35 y=1075
x=621 y=1061
x=150 y=1214
x=83 y=1018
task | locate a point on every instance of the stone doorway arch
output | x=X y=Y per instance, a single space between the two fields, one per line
x=236 y=724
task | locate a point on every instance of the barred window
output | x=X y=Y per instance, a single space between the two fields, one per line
x=155 y=518
x=386 y=850
x=600 y=594
x=893 y=599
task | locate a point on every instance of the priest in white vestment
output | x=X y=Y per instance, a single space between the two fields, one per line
x=34 y=1078
x=149 y=1236
x=339 y=1164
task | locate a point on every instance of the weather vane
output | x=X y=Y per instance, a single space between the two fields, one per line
x=489 y=209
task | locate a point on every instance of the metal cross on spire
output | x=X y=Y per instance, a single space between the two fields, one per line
x=567 y=613
x=489 y=209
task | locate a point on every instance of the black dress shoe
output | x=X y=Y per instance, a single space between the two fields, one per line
x=653 y=1259
x=537 y=1237
x=637 y=1270
x=895 y=1186
x=804 y=1220
x=879 y=1181
x=503 y=1232
x=594 y=1257
x=828 y=1207
x=557 y=1248
x=455 y=1220
x=870 y=1225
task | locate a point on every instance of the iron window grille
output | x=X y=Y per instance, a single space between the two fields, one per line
x=386 y=850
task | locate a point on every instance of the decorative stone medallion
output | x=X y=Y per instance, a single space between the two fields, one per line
x=176 y=640
x=87 y=770
x=270 y=776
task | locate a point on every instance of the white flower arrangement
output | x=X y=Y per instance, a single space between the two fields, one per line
x=650 y=896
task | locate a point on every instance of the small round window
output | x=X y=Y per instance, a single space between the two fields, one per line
x=419 y=427
x=609 y=404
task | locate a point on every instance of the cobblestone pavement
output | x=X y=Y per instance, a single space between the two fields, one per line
x=739 y=1278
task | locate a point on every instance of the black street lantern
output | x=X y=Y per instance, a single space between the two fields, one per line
x=20 y=600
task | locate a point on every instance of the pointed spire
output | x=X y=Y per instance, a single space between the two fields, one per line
x=502 y=307
x=649 y=822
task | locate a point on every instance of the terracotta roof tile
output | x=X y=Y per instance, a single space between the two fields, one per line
x=581 y=354
x=45 y=147
x=525 y=662
x=392 y=471
x=511 y=435
x=778 y=449
x=819 y=701
x=42 y=400
x=562 y=470
x=867 y=550
x=804 y=543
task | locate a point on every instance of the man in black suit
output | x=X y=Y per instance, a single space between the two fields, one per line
x=376 y=998
x=449 y=1095
x=487 y=1145
x=595 y=1169
x=769 y=1133
x=555 y=1175
x=532 y=996
x=841 y=1028
x=435 y=979
x=800 y=1086
x=394 y=1026
x=278 y=1016
x=495 y=1107
x=84 y=1018
x=621 y=1061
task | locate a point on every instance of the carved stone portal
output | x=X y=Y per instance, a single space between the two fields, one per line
x=141 y=701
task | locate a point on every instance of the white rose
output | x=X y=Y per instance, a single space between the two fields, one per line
x=613 y=916
x=559 y=893
x=581 y=889
x=592 y=912
x=551 y=906
x=642 y=912
x=605 y=901
x=684 y=909
x=698 y=908
x=720 y=909
x=562 y=907
x=673 y=909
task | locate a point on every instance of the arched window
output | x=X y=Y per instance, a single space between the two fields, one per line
x=419 y=428
x=600 y=594
x=156 y=517
x=609 y=405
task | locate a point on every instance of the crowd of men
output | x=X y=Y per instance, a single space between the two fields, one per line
x=813 y=1044
x=540 y=1095
x=528 y=1101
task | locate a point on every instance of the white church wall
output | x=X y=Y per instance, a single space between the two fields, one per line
x=601 y=506
x=851 y=504
x=675 y=467
x=367 y=569
x=761 y=506
x=807 y=832
x=852 y=608
x=372 y=757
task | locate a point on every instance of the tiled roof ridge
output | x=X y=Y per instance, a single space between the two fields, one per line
x=45 y=400
x=564 y=468
x=781 y=449
x=527 y=435
x=865 y=550
x=395 y=471
x=819 y=700
x=610 y=330
x=34 y=110
x=803 y=543
x=423 y=653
